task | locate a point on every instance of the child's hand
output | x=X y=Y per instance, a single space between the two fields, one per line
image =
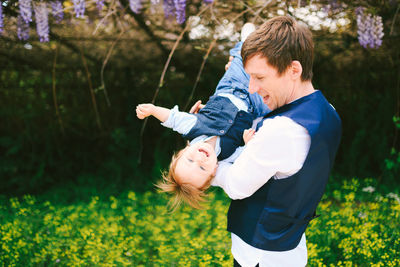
x=248 y=135
x=229 y=63
x=196 y=107
x=144 y=110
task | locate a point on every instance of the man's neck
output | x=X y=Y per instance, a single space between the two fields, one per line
x=302 y=89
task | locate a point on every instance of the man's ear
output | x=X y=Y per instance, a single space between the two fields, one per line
x=296 y=69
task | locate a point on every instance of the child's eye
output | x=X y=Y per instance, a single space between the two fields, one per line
x=202 y=168
x=190 y=160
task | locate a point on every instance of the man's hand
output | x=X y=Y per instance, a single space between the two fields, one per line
x=144 y=110
x=196 y=107
x=229 y=63
x=248 y=135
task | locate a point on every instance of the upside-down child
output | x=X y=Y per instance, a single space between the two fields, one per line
x=217 y=132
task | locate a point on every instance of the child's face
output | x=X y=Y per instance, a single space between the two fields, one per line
x=196 y=164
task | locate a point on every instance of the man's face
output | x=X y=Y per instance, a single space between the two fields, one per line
x=196 y=164
x=274 y=88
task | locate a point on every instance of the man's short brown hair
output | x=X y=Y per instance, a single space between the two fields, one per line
x=282 y=40
x=182 y=192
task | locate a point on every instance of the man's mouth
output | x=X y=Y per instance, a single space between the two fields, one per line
x=265 y=98
x=204 y=151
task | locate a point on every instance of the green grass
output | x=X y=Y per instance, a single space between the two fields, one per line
x=356 y=228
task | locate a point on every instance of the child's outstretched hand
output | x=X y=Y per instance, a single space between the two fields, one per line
x=248 y=135
x=144 y=110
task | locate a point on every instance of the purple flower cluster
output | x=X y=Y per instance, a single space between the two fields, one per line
x=135 y=5
x=57 y=10
x=369 y=29
x=25 y=10
x=175 y=6
x=100 y=4
x=208 y=1
x=169 y=8
x=180 y=11
x=1 y=18
x=22 y=28
x=79 y=7
x=333 y=6
x=42 y=21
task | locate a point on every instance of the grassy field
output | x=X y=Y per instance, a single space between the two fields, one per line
x=359 y=226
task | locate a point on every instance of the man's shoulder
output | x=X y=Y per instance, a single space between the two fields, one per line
x=280 y=124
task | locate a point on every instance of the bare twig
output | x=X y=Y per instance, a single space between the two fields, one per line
x=394 y=19
x=257 y=13
x=91 y=89
x=54 y=90
x=103 y=85
x=200 y=71
x=160 y=84
x=111 y=10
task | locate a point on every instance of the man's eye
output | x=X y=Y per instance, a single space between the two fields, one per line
x=202 y=168
x=259 y=78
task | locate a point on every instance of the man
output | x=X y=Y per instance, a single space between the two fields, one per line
x=278 y=180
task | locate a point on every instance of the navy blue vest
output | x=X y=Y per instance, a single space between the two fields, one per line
x=220 y=117
x=275 y=217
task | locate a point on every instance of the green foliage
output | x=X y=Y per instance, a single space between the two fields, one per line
x=392 y=162
x=358 y=227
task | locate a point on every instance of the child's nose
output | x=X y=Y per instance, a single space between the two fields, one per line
x=199 y=156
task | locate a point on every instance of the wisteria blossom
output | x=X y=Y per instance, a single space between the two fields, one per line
x=25 y=10
x=208 y=1
x=153 y=6
x=369 y=29
x=22 y=29
x=100 y=5
x=377 y=33
x=57 y=10
x=333 y=6
x=177 y=7
x=79 y=7
x=1 y=18
x=135 y=5
x=42 y=21
x=180 y=11
x=169 y=8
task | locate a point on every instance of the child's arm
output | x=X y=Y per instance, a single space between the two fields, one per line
x=181 y=122
x=145 y=110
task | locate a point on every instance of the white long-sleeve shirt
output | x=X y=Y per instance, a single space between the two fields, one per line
x=277 y=151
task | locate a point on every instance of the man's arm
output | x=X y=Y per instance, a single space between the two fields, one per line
x=278 y=149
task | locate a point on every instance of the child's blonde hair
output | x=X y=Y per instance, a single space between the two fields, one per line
x=182 y=192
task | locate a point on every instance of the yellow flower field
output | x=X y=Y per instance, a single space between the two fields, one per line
x=357 y=227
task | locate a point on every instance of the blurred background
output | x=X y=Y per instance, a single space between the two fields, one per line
x=70 y=82
x=77 y=168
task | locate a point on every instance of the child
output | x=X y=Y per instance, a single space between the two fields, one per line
x=215 y=132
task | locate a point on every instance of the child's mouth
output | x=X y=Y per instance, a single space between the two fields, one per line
x=203 y=151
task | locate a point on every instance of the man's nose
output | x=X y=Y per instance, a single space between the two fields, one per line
x=253 y=88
